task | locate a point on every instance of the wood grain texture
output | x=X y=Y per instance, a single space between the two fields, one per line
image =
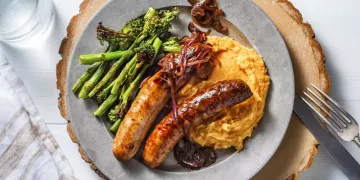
x=75 y=27
x=298 y=148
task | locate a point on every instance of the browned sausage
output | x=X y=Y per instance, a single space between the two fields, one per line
x=196 y=110
x=150 y=100
x=148 y=103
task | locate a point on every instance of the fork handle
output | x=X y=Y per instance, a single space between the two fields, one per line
x=357 y=140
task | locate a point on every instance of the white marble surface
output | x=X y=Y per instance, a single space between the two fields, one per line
x=336 y=24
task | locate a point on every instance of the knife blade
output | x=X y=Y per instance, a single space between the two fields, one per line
x=349 y=166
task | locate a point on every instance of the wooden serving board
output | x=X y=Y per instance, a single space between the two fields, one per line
x=298 y=148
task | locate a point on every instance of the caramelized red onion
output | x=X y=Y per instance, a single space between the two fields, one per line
x=193 y=156
x=195 y=56
x=206 y=13
x=177 y=68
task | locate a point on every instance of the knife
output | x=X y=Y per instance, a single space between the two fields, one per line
x=349 y=166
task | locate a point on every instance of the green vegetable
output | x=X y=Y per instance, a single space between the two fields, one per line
x=115 y=126
x=146 y=38
x=93 y=80
x=112 y=37
x=100 y=57
x=84 y=77
x=103 y=94
x=111 y=72
x=139 y=44
x=144 y=55
x=134 y=27
x=172 y=45
x=155 y=25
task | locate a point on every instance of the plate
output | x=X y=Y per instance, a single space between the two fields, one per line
x=250 y=26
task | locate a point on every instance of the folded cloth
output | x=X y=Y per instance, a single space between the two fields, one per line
x=27 y=148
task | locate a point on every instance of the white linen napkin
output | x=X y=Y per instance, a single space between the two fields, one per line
x=27 y=148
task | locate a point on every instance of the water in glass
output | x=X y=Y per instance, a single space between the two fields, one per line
x=23 y=20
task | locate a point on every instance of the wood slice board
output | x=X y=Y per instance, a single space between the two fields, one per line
x=299 y=146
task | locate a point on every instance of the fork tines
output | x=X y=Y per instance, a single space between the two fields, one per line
x=344 y=125
x=339 y=117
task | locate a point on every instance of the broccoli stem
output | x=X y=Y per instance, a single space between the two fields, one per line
x=127 y=69
x=126 y=96
x=106 y=104
x=85 y=76
x=157 y=45
x=125 y=44
x=173 y=49
x=122 y=76
x=112 y=71
x=150 y=13
x=92 y=58
x=133 y=69
x=137 y=42
x=115 y=126
x=119 y=81
x=133 y=85
x=102 y=95
x=93 y=80
x=115 y=90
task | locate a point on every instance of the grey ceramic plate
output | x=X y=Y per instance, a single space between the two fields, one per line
x=251 y=27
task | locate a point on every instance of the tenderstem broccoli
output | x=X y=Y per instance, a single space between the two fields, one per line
x=118 y=112
x=112 y=37
x=155 y=24
x=111 y=72
x=87 y=59
x=144 y=55
x=172 y=45
x=150 y=13
x=121 y=39
x=93 y=80
x=84 y=77
x=103 y=94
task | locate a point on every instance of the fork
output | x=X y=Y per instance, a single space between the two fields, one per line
x=342 y=123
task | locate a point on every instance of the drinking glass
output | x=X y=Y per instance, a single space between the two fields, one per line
x=24 y=20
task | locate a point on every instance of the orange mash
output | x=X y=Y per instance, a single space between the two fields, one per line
x=235 y=124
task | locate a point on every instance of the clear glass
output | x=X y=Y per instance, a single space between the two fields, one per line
x=24 y=20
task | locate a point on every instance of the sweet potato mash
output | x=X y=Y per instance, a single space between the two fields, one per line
x=233 y=125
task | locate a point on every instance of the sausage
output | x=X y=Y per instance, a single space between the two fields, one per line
x=148 y=103
x=150 y=100
x=196 y=110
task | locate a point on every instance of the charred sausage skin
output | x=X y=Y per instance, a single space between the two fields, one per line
x=195 y=110
x=148 y=103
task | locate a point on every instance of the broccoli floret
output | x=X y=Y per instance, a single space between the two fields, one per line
x=172 y=45
x=111 y=36
x=159 y=23
x=121 y=39
x=133 y=27
x=150 y=13
x=145 y=53
x=169 y=15
x=113 y=114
